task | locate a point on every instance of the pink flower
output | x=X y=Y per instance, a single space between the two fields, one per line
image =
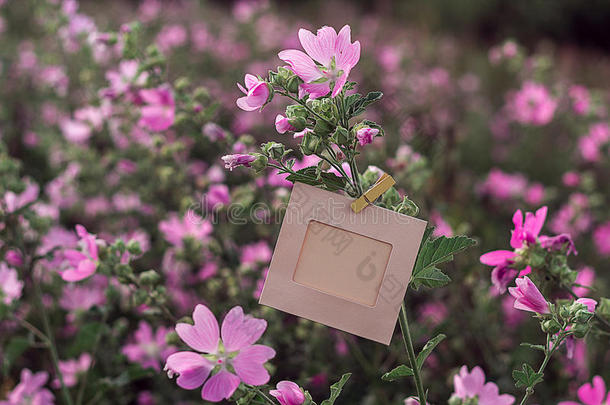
x=302 y=133
x=288 y=393
x=592 y=394
x=12 y=202
x=533 y=104
x=13 y=258
x=159 y=112
x=148 y=348
x=75 y=131
x=239 y=159
x=282 y=124
x=217 y=196
x=585 y=278
x=366 y=135
x=589 y=303
x=472 y=384
x=70 y=370
x=254 y=253
x=175 y=230
x=238 y=333
x=10 y=286
x=126 y=76
x=441 y=227
x=30 y=390
x=335 y=54
x=527 y=232
x=528 y=297
x=601 y=238
x=580 y=99
x=503 y=273
x=256 y=93
x=570 y=179
x=80 y=265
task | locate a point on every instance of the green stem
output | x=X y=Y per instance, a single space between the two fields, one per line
x=406 y=337
x=262 y=394
x=51 y=342
x=98 y=338
x=548 y=353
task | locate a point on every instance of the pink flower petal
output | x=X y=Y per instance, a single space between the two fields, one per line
x=203 y=336
x=497 y=257
x=249 y=364
x=320 y=47
x=192 y=367
x=592 y=394
x=242 y=103
x=303 y=65
x=220 y=386
x=239 y=331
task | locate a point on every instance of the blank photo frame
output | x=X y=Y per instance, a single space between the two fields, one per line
x=343 y=269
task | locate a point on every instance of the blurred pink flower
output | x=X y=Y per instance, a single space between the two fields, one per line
x=217 y=196
x=79 y=264
x=570 y=179
x=233 y=161
x=70 y=370
x=590 y=144
x=256 y=93
x=533 y=104
x=441 y=227
x=171 y=36
x=30 y=390
x=472 y=385
x=238 y=350
x=335 y=53
x=13 y=258
x=148 y=348
x=601 y=238
x=10 y=285
x=158 y=113
x=12 y=201
x=75 y=131
x=366 y=135
x=126 y=76
x=528 y=297
x=592 y=394
x=255 y=253
x=288 y=393
x=580 y=99
x=585 y=278
x=191 y=225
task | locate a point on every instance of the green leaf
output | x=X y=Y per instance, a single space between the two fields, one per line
x=430 y=277
x=358 y=106
x=526 y=377
x=312 y=176
x=428 y=348
x=335 y=389
x=13 y=350
x=533 y=346
x=433 y=253
x=398 y=373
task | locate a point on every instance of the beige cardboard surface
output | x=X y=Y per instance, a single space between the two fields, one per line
x=345 y=270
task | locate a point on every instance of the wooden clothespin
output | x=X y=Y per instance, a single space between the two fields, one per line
x=382 y=185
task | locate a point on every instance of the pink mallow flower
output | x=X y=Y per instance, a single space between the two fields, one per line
x=366 y=135
x=80 y=264
x=592 y=394
x=231 y=345
x=125 y=77
x=71 y=369
x=468 y=385
x=529 y=230
x=10 y=286
x=158 y=113
x=256 y=93
x=335 y=54
x=528 y=297
x=148 y=348
x=533 y=104
x=30 y=390
x=240 y=159
x=288 y=393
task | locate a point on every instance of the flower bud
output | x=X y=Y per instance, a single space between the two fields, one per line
x=274 y=150
x=150 y=278
x=296 y=110
x=407 y=207
x=583 y=316
x=133 y=247
x=341 y=136
x=260 y=163
x=580 y=330
x=550 y=326
x=297 y=123
x=182 y=83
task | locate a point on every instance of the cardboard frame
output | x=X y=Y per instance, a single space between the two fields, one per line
x=311 y=300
